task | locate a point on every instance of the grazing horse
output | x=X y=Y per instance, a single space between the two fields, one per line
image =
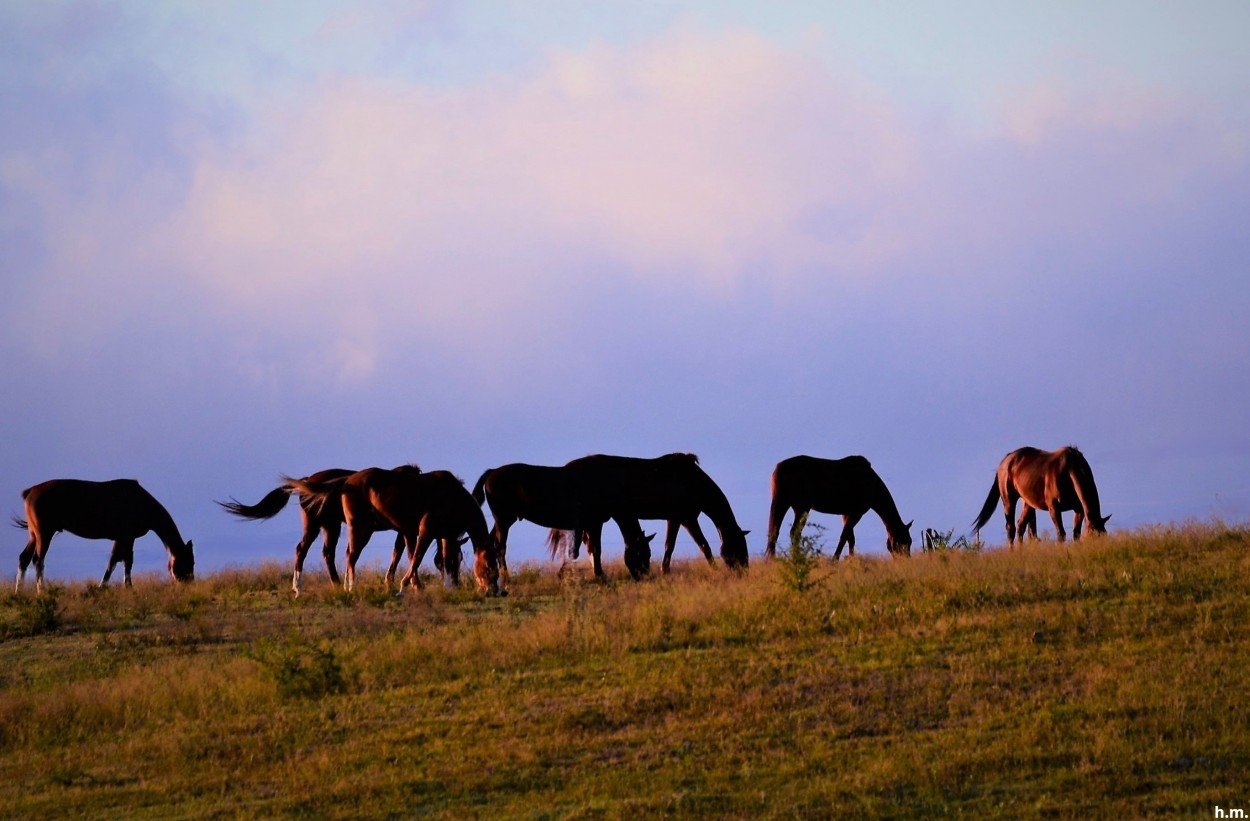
x=120 y=510
x=551 y=497
x=1054 y=481
x=847 y=487
x=671 y=487
x=327 y=518
x=422 y=507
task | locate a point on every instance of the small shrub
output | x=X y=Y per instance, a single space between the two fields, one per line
x=303 y=670
x=34 y=615
x=937 y=542
x=798 y=564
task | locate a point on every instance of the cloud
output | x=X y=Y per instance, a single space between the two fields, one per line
x=692 y=159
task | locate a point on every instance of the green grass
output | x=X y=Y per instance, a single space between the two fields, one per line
x=1106 y=676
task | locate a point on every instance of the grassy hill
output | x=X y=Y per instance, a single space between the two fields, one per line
x=1107 y=676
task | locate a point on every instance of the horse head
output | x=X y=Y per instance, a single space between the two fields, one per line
x=638 y=556
x=733 y=548
x=486 y=567
x=899 y=542
x=182 y=563
x=1098 y=524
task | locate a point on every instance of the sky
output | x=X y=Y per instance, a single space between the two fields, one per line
x=240 y=239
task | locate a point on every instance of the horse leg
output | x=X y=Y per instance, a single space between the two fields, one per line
x=301 y=551
x=357 y=537
x=776 y=514
x=800 y=522
x=501 y=548
x=696 y=533
x=1078 y=519
x=412 y=577
x=396 y=553
x=1026 y=523
x=670 y=543
x=23 y=561
x=449 y=549
x=116 y=555
x=329 y=542
x=848 y=536
x=128 y=560
x=1009 y=511
x=1057 y=517
x=595 y=546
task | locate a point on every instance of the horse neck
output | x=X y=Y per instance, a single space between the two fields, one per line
x=1086 y=491
x=165 y=529
x=884 y=507
x=716 y=506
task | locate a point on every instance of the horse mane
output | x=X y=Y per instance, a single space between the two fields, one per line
x=410 y=467
x=18 y=521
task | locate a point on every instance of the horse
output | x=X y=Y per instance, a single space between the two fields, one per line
x=847 y=487
x=120 y=510
x=1054 y=481
x=326 y=518
x=422 y=507
x=671 y=487
x=551 y=497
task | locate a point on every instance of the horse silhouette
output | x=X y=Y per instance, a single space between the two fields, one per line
x=422 y=507
x=552 y=497
x=847 y=487
x=671 y=487
x=315 y=515
x=1054 y=481
x=120 y=510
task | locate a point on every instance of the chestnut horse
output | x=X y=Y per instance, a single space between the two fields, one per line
x=120 y=510
x=422 y=507
x=847 y=487
x=671 y=487
x=1054 y=481
x=551 y=497
x=327 y=518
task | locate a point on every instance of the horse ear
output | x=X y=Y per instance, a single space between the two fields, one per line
x=1106 y=519
x=909 y=524
x=648 y=538
x=745 y=532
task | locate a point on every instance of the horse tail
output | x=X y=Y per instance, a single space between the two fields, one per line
x=479 y=490
x=19 y=522
x=268 y=507
x=987 y=509
x=315 y=495
x=558 y=541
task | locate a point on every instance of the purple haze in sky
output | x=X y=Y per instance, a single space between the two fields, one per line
x=246 y=240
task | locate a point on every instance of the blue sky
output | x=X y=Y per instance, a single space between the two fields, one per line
x=240 y=239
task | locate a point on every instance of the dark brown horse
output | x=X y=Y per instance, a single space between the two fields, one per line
x=671 y=487
x=551 y=497
x=120 y=510
x=847 y=487
x=316 y=516
x=1054 y=481
x=423 y=508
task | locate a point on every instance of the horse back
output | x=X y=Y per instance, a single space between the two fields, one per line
x=1040 y=477
x=116 y=509
x=836 y=486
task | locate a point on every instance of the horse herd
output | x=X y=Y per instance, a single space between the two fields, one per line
x=574 y=501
